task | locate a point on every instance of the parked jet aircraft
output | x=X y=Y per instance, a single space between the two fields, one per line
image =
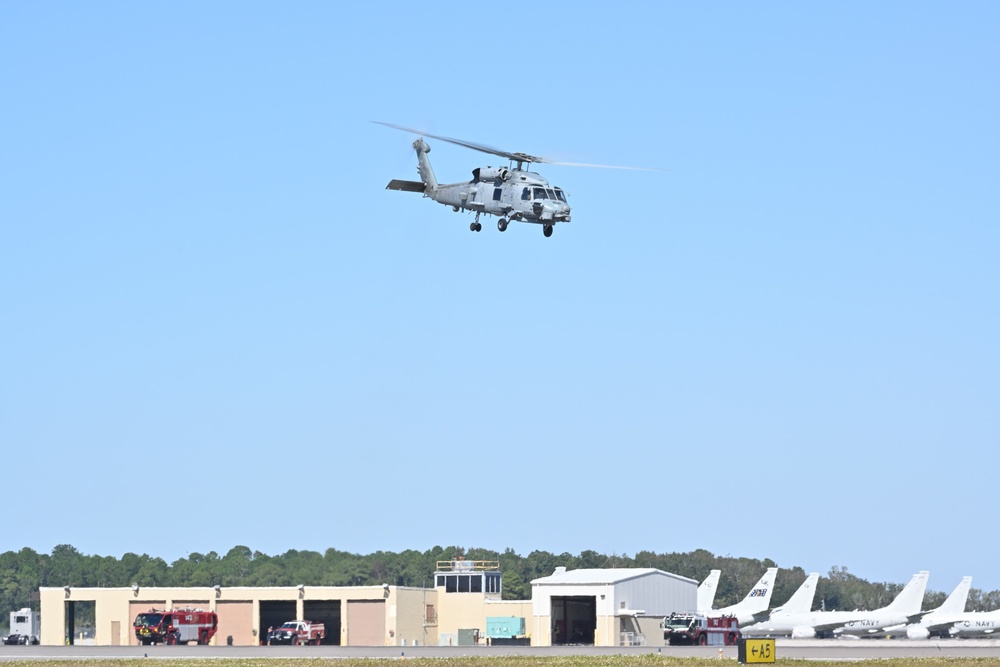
x=974 y=623
x=796 y=617
x=751 y=608
x=937 y=622
x=706 y=591
x=904 y=609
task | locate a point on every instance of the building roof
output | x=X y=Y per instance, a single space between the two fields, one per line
x=602 y=576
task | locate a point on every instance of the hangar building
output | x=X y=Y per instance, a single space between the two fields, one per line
x=608 y=607
x=602 y=607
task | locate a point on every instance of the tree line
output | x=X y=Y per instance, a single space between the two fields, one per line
x=23 y=572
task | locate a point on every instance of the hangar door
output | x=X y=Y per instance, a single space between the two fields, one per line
x=574 y=619
x=366 y=622
x=273 y=613
x=236 y=621
x=326 y=612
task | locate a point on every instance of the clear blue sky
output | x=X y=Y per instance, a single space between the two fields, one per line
x=219 y=329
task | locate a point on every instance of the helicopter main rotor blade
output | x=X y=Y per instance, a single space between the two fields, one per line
x=601 y=166
x=517 y=157
x=520 y=157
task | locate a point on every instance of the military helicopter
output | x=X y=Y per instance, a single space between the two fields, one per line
x=512 y=193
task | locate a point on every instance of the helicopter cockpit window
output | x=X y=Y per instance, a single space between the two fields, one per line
x=540 y=193
x=560 y=195
x=551 y=194
x=526 y=194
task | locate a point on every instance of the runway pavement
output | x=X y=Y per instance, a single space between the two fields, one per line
x=785 y=648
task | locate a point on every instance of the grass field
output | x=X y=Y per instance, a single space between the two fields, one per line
x=647 y=660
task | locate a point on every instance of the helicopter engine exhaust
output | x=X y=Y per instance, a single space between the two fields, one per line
x=483 y=174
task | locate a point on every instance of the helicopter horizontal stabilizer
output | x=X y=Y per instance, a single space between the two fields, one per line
x=406 y=186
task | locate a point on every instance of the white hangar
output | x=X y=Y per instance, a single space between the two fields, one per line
x=607 y=607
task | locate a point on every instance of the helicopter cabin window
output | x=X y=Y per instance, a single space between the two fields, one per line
x=496 y=193
x=526 y=194
x=540 y=193
x=560 y=195
x=551 y=194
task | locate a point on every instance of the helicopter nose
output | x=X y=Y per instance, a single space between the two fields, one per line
x=557 y=211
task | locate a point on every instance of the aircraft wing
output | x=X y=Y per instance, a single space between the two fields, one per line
x=827 y=627
x=939 y=624
x=939 y=627
x=915 y=618
x=761 y=616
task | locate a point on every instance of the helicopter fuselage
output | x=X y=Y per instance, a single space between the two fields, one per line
x=513 y=194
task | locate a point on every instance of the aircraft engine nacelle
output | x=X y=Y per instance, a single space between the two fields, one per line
x=803 y=632
x=917 y=632
x=491 y=173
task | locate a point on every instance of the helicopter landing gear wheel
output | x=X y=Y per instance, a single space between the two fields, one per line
x=475 y=227
x=502 y=224
x=547 y=230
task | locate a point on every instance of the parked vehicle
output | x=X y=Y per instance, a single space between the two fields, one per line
x=25 y=627
x=178 y=626
x=298 y=633
x=701 y=630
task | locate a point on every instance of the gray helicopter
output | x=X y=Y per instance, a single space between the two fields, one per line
x=512 y=193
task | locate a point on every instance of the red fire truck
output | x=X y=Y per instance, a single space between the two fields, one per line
x=701 y=630
x=178 y=626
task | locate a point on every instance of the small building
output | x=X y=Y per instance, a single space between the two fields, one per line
x=468 y=593
x=607 y=607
